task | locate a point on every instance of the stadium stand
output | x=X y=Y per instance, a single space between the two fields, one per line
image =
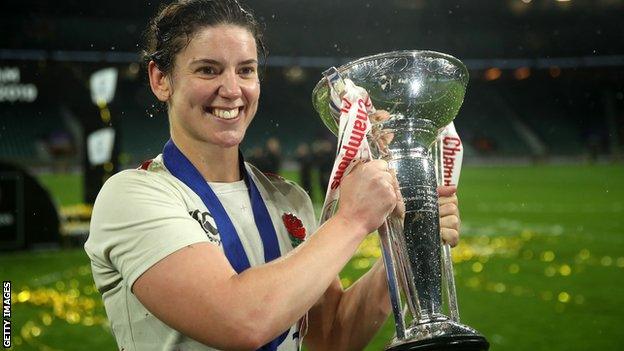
x=552 y=112
x=142 y=136
x=486 y=129
x=24 y=128
x=559 y=128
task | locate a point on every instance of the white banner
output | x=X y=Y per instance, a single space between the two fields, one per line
x=451 y=155
x=355 y=107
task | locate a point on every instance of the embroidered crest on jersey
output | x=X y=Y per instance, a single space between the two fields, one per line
x=206 y=224
x=295 y=228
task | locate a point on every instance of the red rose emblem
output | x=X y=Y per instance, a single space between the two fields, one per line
x=295 y=227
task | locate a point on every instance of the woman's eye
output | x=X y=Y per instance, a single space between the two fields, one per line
x=207 y=70
x=247 y=70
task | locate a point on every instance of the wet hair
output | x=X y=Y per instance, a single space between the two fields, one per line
x=175 y=24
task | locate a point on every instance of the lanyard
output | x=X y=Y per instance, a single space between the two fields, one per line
x=180 y=167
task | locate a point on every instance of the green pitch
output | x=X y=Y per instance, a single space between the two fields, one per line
x=540 y=266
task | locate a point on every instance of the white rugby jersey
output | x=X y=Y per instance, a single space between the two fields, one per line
x=141 y=216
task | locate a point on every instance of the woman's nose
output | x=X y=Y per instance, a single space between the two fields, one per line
x=230 y=87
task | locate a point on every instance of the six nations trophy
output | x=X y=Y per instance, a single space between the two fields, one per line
x=422 y=92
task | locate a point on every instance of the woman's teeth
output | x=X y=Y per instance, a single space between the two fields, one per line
x=225 y=114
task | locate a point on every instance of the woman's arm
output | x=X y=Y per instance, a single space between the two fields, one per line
x=196 y=291
x=347 y=320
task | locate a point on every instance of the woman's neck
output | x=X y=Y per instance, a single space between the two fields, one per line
x=214 y=163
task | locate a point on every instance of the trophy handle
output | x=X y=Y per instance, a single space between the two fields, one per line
x=447 y=262
x=450 y=282
x=392 y=278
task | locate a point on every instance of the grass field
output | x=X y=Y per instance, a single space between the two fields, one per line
x=540 y=266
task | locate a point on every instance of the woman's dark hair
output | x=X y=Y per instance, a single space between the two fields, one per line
x=172 y=29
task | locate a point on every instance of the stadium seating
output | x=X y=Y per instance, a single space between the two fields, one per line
x=484 y=122
x=24 y=127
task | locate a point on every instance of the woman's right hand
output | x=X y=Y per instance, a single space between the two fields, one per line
x=368 y=194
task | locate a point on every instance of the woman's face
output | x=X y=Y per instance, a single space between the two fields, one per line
x=215 y=86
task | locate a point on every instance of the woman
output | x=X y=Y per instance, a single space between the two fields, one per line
x=197 y=250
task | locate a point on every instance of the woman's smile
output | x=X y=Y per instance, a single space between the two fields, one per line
x=225 y=113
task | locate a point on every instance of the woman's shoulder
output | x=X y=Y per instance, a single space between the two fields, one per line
x=150 y=179
x=129 y=179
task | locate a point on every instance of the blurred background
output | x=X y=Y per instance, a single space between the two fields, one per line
x=541 y=262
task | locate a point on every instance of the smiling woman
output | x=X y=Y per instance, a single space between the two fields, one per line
x=214 y=237
x=212 y=93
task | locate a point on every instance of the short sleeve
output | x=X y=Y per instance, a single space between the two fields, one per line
x=138 y=219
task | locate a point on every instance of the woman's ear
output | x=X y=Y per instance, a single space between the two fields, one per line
x=158 y=82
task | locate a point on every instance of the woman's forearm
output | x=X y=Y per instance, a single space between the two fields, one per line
x=347 y=320
x=279 y=293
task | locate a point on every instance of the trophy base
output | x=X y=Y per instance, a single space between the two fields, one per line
x=440 y=334
x=459 y=343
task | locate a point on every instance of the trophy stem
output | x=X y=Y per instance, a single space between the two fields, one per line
x=417 y=234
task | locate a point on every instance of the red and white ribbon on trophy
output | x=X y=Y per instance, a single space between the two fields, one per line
x=451 y=154
x=351 y=105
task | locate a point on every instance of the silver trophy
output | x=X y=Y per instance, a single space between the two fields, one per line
x=422 y=91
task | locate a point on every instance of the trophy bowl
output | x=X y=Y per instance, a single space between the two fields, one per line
x=422 y=92
x=424 y=83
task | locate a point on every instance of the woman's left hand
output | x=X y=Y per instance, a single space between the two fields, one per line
x=449 y=214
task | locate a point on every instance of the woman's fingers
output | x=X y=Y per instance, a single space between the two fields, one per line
x=379 y=116
x=450 y=236
x=449 y=209
x=447 y=191
x=449 y=215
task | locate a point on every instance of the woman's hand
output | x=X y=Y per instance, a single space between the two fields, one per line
x=449 y=214
x=368 y=194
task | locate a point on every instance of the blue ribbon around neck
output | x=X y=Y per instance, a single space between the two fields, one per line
x=180 y=167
